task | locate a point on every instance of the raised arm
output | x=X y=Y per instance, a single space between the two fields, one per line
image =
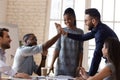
x=50 y=42
x=105 y=72
x=72 y=36
x=75 y=36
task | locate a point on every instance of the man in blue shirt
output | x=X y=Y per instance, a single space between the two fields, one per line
x=24 y=60
x=99 y=31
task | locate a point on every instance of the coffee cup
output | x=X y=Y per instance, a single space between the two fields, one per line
x=43 y=71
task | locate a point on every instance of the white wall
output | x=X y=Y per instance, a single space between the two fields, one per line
x=3 y=8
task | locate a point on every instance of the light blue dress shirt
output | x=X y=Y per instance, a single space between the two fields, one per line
x=24 y=61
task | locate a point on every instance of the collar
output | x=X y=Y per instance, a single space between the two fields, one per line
x=97 y=27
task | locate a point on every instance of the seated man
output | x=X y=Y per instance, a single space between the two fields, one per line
x=24 y=61
x=5 y=44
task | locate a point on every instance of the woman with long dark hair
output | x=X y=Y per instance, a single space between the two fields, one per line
x=113 y=46
x=111 y=51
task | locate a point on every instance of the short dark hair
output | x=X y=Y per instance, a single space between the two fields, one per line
x=93 y=12
x=26 y=36
x=2 y=30
x=70 y=11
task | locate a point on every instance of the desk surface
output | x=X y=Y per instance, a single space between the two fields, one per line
x=53 y=78
x=42 y=78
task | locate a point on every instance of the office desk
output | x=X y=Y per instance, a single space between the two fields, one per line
x=53 y=78
x=42 y=78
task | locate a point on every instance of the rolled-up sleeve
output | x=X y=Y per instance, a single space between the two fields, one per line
x=30 y=50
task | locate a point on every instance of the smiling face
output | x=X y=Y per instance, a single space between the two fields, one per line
x=105 y=51
x=89 y=22
x=69 y=20
x=31 y=41
x=5 y=40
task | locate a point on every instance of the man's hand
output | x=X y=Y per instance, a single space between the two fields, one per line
x=22 y=75
x=60 y=29
x=44 y=53
x=51 y=69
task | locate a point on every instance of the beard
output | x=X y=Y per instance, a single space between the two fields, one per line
x=5 y=46
x=91 y=26
x=32 y=44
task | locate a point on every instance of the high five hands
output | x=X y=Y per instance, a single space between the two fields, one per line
x=60 y=29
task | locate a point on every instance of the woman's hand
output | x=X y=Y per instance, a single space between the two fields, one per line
x=77 y=72
x=51 y=69
x=83 y=73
